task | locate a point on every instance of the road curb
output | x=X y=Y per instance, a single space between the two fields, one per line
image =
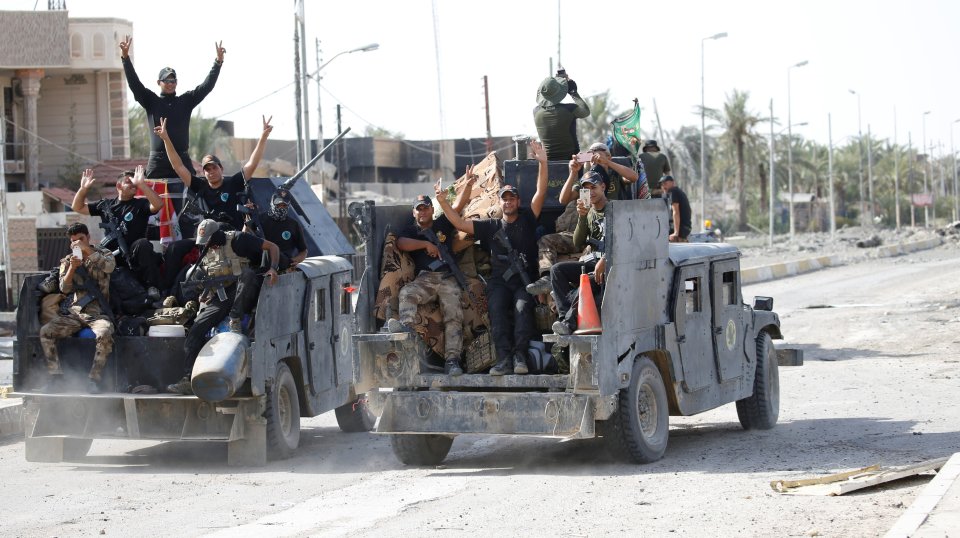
x=763 y=273
x=936 y=510
x=11 y=416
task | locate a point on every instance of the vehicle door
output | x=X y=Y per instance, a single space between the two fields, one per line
x=728 y=318
x=691 y=315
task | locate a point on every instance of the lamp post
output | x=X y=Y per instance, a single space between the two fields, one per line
x=773 y=168
x=926 y=208
x=316 y=75
x=859 y=153
x=896 y=170
x=790 y=147
x=703 y=126
x=833 y=212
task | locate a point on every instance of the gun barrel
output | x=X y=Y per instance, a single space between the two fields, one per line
x=288 y=184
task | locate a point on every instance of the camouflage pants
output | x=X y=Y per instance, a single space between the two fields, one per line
x=552 y=244
x=64 y=326
x=429 y=286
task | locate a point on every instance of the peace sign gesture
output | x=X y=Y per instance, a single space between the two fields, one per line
x=220 y=51
x=125 y=46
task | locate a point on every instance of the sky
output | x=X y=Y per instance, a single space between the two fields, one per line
x=426 y=78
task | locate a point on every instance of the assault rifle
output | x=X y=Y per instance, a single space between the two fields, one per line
x=446 y=257
x=516 y=261
x=253 y=213
x=215 y=284
x=93 y=292
x=114 y=230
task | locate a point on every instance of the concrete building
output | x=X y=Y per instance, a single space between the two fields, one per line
x=64 y=95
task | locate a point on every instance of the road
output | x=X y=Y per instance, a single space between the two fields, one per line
x=879 y=387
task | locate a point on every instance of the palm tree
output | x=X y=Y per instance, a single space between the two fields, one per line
x=738 y=123
x=207 y=137
x=139 y=132
x=596 y=126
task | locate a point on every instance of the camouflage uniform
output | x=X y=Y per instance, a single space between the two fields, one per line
x=558 y=243
x=430 y=285
x=73 y=317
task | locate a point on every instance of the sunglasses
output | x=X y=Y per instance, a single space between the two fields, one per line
x=169 y=81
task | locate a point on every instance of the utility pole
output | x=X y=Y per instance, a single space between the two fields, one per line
x=913 y=218
x=323 y=173
x=341 y=181
x=486 y=108
x=4 y=218
x=870 y=170
x=833 y=212
x=297 y=79
x=896 y=170
x=307 y=151
x=926 y=192
x=770 y=179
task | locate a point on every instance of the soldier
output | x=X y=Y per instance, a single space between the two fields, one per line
x=680 y=212
x=169 y=105
x=227 y=253
x=85 y=280
x=219 y=193
x=435 y=278
x=556 y=122
x=132 y=215
x=283 y=231
x=512 y=243
x=564 y=276
x=655 y=164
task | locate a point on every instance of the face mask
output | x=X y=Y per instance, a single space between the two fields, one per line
x=278 y=211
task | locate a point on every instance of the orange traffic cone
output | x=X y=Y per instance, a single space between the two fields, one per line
x=588 y=320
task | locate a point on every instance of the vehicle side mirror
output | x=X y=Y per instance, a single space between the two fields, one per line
x=763 y=303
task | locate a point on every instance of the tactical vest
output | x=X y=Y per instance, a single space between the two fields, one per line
x=224 y=261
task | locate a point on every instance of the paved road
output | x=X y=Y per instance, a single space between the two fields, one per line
x=879 y=386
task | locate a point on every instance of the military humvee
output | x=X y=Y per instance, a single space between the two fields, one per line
x=677 y=339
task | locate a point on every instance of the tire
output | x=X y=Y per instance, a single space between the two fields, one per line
x=283 y=415
x=355 y=417
x=640 y=427
x=761 y=410
x=417 y=449
x=74 y=449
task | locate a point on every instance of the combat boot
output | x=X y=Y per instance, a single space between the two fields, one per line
x=394 y=325
x=540 y=286
x=503 y=367
x=235 y=326
x=181 y=387
x=452 y=367
x=520 y=363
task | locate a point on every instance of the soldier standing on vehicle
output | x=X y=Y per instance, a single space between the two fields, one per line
x=512 y=243
x=556 y=122
x=130 y=215
x=681 y=214
x=436 y=279
x=655 y=164
x=85 y=280
x=218 y=192
x=226 y=254
x=283 y=231
x=168 y=105
x=565 y=276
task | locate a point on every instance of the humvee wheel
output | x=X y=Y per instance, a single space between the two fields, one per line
x=74 y=449
x=417 y=449
x=761 y=410
x=283 y=415
x=639 y=428
x=355 y=416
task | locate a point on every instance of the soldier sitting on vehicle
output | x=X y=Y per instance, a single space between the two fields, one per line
x=283 y=231
x=565 y=276
x=85 y=280
x=431 y=244
x=125 y=219
x=232 y=287
x=512 y=244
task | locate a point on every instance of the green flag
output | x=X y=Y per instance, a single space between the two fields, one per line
x=626 y=129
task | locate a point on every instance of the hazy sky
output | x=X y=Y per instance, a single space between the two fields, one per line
x=897 y=55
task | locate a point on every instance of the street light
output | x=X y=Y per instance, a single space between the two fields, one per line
x=316 y=73
x=956 y=194
x=703 y=126
x=926 y=208
x=771 y=182
x=859 y=154
x=790 y=147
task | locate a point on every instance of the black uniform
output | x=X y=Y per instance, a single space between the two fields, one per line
x=421 y=260
x=132 y=215
x=677 y=196
x=511 y=307
x=223 y=199
x=286 y=233
x=177 y=109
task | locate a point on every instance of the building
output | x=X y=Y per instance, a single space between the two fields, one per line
x=54 y=68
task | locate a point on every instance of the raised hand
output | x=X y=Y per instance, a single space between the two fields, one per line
x=125 y=46
x=575 y=165
x=161 y=130
x=468 y=171
x=220 y=51
x=267 y=128
x=438 y=190
x=86 y=180
x=138 y=174
x=538 y=152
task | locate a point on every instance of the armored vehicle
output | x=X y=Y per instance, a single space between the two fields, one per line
x=298 y=363
x=677 y=339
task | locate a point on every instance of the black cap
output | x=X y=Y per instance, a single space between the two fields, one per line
x=508 y=188
x=167 y=72
x=664 y=179
x=210 y=159
x=651 y=144
x=592 y=177
x=422 y=199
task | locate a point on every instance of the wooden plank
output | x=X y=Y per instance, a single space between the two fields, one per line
x=845 y=482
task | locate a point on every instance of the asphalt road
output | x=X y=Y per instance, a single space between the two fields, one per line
x=879 y=386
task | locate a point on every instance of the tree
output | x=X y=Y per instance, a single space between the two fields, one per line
x=738 y=123
x=596 y=127
x=373 y=131
x=206 y=137
x=139 y=132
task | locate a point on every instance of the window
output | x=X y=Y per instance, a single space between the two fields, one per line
x=320 y=308
x=346 y=300
x=691 y=295
x=98 y=46
x=729 y=288
x=76 y=46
